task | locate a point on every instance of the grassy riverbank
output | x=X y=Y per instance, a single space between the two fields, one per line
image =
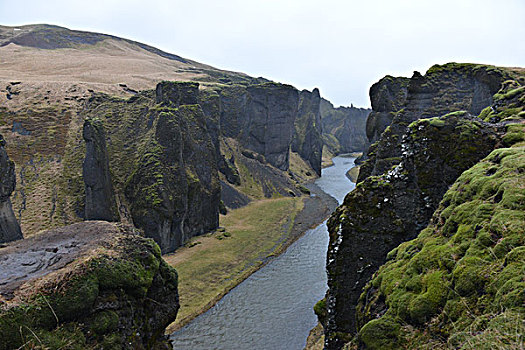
x=211 y=265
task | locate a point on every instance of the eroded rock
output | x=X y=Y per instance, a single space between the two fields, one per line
x=89 y=285
x=9 y=227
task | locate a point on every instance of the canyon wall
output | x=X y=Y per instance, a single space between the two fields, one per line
x=9 y=227
x=432 y=139
x=344 y=128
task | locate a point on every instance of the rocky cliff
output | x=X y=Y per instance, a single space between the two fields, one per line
x=163 y=161
x=443 y=89
x=307 y=141
x=344 y=128
x=90 y=285
x=100 y=198
x=392 y=207
x=387 y=97
x=9 y=227
x=262 y=118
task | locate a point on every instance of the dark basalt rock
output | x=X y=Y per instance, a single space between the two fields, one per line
x=9 y=227
x=343 y=128
x=90 y=285
x=163 y=160
x=444 y=89
x=262 y=118
x=388 y=97
x=100 y=201
x=307 y=141
x=384 y=211
x=174 y=94
x=174 y=193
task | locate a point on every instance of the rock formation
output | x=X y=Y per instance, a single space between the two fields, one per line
x=9 y=227
x=307 y=141
x=90 y=285
x=444 y=89
x=387 y=97
x=262 y=118
x=100 y=199
x=343 y=128
x=392 y=207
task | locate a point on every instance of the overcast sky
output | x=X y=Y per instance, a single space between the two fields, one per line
x=341 y=47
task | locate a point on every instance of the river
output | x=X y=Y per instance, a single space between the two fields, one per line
x=273 y=308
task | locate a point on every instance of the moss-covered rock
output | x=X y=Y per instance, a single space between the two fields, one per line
x=386 y=210
x=110 y=289
x=444 y=88
x=467 y=295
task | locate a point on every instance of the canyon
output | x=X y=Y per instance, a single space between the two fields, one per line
x=113 y=165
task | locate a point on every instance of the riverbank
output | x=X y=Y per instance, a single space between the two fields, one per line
x=211 y=265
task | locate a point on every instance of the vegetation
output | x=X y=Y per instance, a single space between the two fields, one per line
x=221 y=260
x=460 y=283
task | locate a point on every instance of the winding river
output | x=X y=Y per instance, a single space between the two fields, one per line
x=273 y=308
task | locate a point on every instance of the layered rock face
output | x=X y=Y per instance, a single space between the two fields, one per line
x=344 y=128
x=444 y=89
x=164 y=161
x=388 y=209
x=100 y=197
x=387 y=96
x=307 y=141
x=9 y=227
x=262 y=118
x=90 y=285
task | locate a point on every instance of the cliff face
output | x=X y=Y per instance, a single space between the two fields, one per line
x=307 y=141
x=100 y=199
x=387 y=97
x=262 y=118
x=164 y=162
x=444 y=89
x=344 y=128
x=90 y=285
x=9 y=227
x=388 y=209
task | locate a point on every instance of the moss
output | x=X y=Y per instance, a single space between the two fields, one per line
x=465 y=267
x=321 y=311
x=381 y=334
x=507 y=95
x=105 y=322
x=515 y=134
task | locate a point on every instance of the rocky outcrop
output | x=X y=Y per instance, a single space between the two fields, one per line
x=344 y=128
x=100 y=199
x=90 y=285
x=444 y=89
x=387 y=96
x=307 y=141
x=386 y=210
x=262 y=118
x=174 y=192
x=9 y=227
x=459 y=284
x=163 y=161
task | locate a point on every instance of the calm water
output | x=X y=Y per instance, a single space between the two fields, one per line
x=273 y=308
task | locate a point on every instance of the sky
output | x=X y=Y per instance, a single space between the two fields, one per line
x=341 y=47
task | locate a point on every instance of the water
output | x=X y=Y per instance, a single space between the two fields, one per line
x=273 y=308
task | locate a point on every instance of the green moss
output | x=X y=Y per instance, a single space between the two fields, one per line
x=464 y=269
x=509 y=94
x=381 y=334
x=515 y=134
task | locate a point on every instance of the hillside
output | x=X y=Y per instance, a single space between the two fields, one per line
x=53 y=78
